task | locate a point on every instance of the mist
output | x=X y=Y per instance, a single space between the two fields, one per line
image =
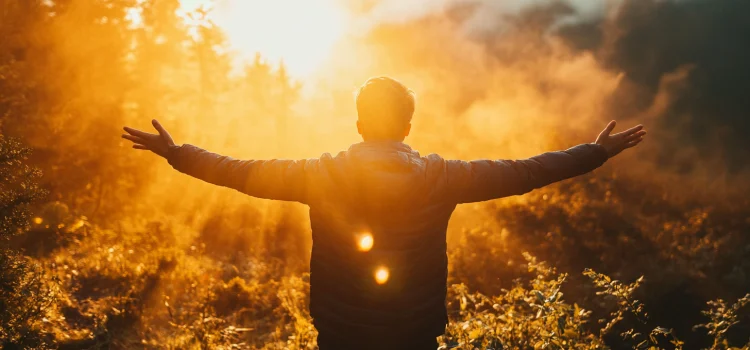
x=493 y=79
x=562 y=67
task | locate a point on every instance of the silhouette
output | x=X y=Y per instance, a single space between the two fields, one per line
x=379 y=213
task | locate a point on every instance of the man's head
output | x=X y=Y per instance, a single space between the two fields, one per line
x=384 y=109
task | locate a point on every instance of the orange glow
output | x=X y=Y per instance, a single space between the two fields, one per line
x=302 y=33
x=488 y=86
x=365 y=242
x=381 y=275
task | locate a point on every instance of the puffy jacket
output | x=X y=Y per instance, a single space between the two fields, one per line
x=403 y=200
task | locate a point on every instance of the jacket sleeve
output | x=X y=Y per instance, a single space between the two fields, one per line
x=270 y=179
x=482 y=180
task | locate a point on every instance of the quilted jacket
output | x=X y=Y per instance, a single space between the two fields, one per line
x=403 y=201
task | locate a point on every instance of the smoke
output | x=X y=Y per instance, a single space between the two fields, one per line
x=484 y=13
x=648 y=40
x=493 y=88
x=521 y=77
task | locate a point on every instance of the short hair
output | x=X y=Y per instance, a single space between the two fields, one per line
x=385 y=106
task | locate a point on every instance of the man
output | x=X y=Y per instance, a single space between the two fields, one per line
x=379 y=213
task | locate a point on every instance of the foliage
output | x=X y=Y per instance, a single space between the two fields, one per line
x=126 y=253
x=535 y=316
x=25 y=294
x=723 y=316
x=530 y=315
x=18 y=188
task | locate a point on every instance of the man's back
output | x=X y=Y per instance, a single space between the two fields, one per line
x=387 y=191
x=379 y=214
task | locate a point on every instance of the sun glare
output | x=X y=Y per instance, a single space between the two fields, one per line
x=302 y=33
x=381 y=275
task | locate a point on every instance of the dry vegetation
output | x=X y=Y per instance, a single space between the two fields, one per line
x=119 y=251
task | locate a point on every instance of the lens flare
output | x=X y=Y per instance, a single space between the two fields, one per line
x=365 y=242
x=381 y=275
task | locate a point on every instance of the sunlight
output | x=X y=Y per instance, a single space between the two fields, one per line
x=365 y=242
x=302 y=33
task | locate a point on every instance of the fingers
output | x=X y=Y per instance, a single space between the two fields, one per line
x=608 y=129
x=138 y=143
x=159 y=128
x=163 y=132
x=135 y=139
x=630 y=131
x=635 y=135
x=634 y=143
x=138 y=133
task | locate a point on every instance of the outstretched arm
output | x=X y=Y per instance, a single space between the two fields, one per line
x=482 y=180
x=270 y=179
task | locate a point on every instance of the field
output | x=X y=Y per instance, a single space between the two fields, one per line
x=103 y=246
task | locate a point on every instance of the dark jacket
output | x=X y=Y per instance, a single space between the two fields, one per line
x=403 y=200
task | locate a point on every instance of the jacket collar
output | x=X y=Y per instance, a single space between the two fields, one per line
x=381 y=145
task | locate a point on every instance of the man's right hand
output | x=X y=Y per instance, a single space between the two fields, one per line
x=614 y=144
x=157 y=143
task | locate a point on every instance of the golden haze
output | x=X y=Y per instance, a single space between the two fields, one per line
x=134 y=229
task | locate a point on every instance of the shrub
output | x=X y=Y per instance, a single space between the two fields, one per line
x=25 y=294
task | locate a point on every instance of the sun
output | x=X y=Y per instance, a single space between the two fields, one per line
x=302 y=33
